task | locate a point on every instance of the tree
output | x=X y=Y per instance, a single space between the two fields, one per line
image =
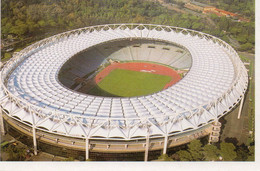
x=227 y=151
x=195 y=149
x=242 y=153
x=32 y=26
x=19 y=30
x=138 y=19
x=7 y=55
x=246 y=46
x=42 y=23
x=214 y=17
x=251 y=156
x=185 y=24
x=242 y=38
x=235 y=30
x=184 y=155
x=210 y=152
x=6 y=28
x=16 y=153
x=34 y=17
x=197 y=26
x=165 y=157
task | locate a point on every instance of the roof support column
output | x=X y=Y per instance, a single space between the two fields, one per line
x=87 y=148
x=34 y=140
x=2 y=122
x=146 y=147
x=240 y=108
x=165 y=144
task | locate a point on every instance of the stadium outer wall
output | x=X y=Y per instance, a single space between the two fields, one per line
x=150 y=143
x=75 y=147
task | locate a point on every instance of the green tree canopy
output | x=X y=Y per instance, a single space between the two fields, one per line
x=246 y=46
x=195 y=149
x=210 y=152
x=184 y=155
x=242 y=153
x=227 y=151
x=165 y=157
x=31 y=18
x=251 y=156
x=15 y=153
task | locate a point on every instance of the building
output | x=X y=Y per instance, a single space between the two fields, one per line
x=219 y=12
x=35 y=103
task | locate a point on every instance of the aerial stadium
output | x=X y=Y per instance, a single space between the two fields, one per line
x=121 y=88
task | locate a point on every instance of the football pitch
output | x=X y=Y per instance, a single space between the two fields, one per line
x=127 y=83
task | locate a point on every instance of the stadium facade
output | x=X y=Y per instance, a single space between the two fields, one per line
x=36 y=103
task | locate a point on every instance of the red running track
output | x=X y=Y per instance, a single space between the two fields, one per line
x=141 y=67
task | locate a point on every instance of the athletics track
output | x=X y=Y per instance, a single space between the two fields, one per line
x=141 y=67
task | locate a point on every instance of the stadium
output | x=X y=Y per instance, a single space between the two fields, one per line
x=72 y=90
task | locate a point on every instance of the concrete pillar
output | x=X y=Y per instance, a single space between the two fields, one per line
x=2 y=122
x=165 y=144
x=87 y=148
x=146 y=147
x=34 y=141
x=240 y=107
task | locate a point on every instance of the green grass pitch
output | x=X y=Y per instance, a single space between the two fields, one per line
x=126 y=83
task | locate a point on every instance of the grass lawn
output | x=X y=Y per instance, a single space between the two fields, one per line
x=126 y=83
